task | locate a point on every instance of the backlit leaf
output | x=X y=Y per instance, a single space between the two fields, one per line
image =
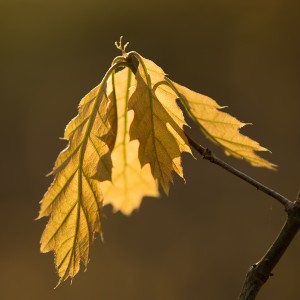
x=220 y=127
x=130 y=183
x=157 y=124
x=74 y=199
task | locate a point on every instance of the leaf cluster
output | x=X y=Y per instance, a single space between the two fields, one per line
x=128 y=136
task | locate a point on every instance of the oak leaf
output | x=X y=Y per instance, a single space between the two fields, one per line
x=220 y=127
x=74 y=199
x=130 y=183
x=158 y=123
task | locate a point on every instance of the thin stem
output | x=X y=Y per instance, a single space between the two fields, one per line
x=207 y=154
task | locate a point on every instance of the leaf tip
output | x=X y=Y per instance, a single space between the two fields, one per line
x=38 y=217
x=166 y=188
x=50 y=173
x=60 y=281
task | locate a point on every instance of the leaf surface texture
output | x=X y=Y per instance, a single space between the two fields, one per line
x=158 y=124
x=130 y=183
x=74 y=199
x=220 y=127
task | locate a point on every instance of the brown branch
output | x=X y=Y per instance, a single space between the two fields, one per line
x=260 y=272
x=207 y=154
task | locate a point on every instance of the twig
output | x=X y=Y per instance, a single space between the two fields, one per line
x=260 y=272
x=207 y=154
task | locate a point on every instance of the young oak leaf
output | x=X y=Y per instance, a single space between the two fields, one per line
x=220 y=127
x=130 y=183
x=157 y=124
x=74 y=199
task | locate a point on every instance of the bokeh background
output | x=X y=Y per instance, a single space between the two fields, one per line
x=199 y=242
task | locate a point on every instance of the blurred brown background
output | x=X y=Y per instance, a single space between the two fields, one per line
x=199 y=242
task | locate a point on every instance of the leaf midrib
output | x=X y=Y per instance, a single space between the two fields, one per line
x=80 y=165
x=149 y=88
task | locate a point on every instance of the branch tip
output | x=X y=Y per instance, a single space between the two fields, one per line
x=121 y=47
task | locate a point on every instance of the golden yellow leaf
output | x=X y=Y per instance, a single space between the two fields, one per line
x=74 y=199
x=220 y=127
x=130 y=183
x=157 y=124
